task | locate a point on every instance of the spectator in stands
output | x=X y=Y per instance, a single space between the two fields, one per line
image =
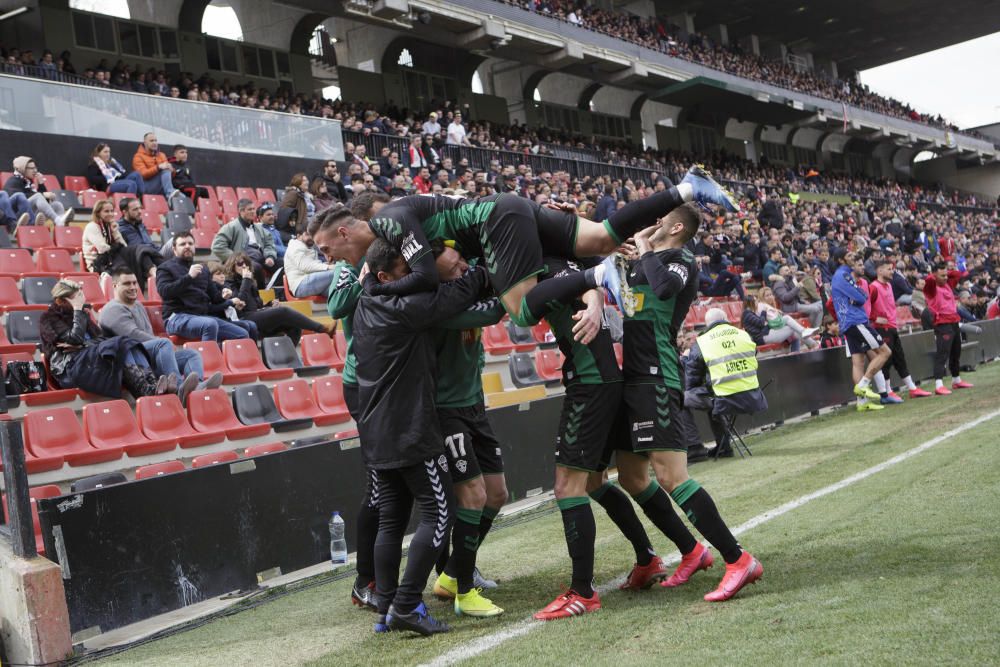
x=295 y=197
x=125 y=316
x=418 y=158
x=246 y=235
x=431 y=125
x=80 y=356
x=422 y=181
x=831 y=333
x=182 y=178
x=106 y=174
x=266 y=217
x=381 y=182
x=456 y=132
x=13 y=217
x=780 y=327
x=137 y=237
x=708 y=386
x=772 y=213
x=321 y=197
x=271 y=319
x=788 y=292
x=307 y=273
x=155 y=169
x=939 y=291
x=104 y=247
x=902 y=290
x=331 y=176
x=193 y=305
x=716 y=279
x=26 y=182
x=773 y=265
x=607 y=203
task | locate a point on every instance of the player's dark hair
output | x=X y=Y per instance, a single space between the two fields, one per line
x=180 y=235
x=125 y=202
x=940 y=266
x=437 y=247
x=361 y=205
x=121 y=271
x=334 y=217
x=883 y=262
x=381 y=256
x=688 y=215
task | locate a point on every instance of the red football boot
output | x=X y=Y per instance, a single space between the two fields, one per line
x=643 y=576
x=942 y=391
x=745 y=571
x=917 y=392
x=567 y=605
x=962 y=384
x=700 y=558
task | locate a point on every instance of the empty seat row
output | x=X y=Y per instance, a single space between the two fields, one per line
x=110 y=430
x=544 y=367
x=170 y=467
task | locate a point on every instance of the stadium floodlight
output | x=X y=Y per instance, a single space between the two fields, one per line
x=14 y=12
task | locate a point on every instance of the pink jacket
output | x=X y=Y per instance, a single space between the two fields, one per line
x=941 y=298
x=883 y=305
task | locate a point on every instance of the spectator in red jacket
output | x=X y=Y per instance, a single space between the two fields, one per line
x=939 y=292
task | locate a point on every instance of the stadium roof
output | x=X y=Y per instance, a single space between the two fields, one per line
x=858 y=34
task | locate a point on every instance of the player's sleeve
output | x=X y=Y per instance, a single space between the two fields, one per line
x=666 y=280
x=402 y=229
x=344 y=291
x=450 y=299
x=480 y=314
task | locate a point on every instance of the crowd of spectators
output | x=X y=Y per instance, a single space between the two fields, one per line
x=658 y=35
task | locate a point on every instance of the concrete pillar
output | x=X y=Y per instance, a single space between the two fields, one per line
x=719 y=33
x=750 y=44
x=829 y=67
x=684 y=19
x=34 y=619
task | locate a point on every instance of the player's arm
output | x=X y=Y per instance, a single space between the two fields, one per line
x=480 y=314
x=955 y=276
x=666 y=280
x=930 y=286
x=451 y=298
x=345 y=290
x=403 y=231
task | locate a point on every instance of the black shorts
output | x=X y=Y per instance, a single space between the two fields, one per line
x=861 y=338
x=511 y=247
x=557 y=231
x=592 y=418
x=652 y=423
x=351 y=400
x=469 y=443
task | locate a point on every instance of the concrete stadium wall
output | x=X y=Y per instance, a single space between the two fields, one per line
x=983 y=180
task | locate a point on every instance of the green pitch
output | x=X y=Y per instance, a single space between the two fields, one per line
x=902 y=567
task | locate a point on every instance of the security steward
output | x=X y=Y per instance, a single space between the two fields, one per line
x=721 y=376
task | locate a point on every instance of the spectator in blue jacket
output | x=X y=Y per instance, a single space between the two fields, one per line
x=266 y=216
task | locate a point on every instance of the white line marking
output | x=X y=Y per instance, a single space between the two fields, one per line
x=483 y=644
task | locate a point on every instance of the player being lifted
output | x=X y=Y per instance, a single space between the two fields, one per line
x=509 y=233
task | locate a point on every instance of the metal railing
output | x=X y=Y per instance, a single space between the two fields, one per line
x=19 y=529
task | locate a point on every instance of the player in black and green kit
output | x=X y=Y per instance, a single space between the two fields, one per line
x=510 y=234
x=473 y=451
x=591 y=423
x=664 y=281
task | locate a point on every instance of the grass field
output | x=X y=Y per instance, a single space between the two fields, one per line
x=901 y=567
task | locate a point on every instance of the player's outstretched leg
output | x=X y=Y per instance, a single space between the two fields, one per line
x=363 y=591
x=741 y=567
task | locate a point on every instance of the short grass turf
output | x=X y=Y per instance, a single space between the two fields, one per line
x=899 y=568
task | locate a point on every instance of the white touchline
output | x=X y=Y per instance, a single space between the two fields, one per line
x=483 y=644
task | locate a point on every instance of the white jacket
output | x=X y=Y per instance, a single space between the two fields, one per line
x=301 y=260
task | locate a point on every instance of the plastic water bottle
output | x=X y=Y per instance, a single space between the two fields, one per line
x=338 y=543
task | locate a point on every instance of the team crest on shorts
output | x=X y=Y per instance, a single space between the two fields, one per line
x=461 y=465
x=443 y=462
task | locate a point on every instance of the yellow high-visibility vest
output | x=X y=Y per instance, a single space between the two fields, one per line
x=731 y=357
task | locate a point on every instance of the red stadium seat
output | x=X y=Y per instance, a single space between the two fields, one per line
x=111 y=424
x=212 y=410
x=152 y=220
x=212 y=361
x=210 y=189
x=53 y=394
x=158 y=469
x=35 y=494
x=342 y=435
x=290 y=297
x=10 y=296
x=246 y=193
x=16 y=262
x=265 y=194
x=548 y=364
x=152 y=294
x=206 y=220
x=230 y=210
x=69 y=237
x=34 y=237
x=213 y=459
x=542 y=333
x=117 y=198
x=328 y=392
x=295 y=401
x=209 y=207
x=51 y=182
x=156 y=204
x=89 y=198
x=54 y=260
x=242 y=356
x=4 y=175
x=155 y=314
x=6 y=347
x=225 y=192
x=163 y=417
x=202 y=239
x=76 y=183
x=93 y=291
x=56 y=435
x=320 y=350
x=267 y=448
x=340 y=342
x=496 y=340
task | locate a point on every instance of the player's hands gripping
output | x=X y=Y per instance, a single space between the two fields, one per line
x=589 y=320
